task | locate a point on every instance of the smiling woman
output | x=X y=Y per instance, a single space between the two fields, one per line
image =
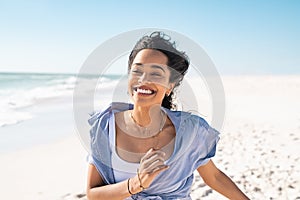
x=149 y=77
x=148 y=150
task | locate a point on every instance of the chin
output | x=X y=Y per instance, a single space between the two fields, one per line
x=144 y=103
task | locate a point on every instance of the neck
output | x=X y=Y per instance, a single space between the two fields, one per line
x=143 y=116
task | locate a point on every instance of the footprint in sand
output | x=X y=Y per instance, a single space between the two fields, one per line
x=80 y=195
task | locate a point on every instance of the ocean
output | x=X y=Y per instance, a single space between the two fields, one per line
x=23 y=90
x=38 y=107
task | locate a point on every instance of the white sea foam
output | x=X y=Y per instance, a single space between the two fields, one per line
x=19 y=91
x=10 y=116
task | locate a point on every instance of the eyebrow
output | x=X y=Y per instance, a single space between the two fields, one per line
x=152 y=66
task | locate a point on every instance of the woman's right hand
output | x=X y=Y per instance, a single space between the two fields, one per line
x=151 y=164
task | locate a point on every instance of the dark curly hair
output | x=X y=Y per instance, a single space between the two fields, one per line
x=177 y=60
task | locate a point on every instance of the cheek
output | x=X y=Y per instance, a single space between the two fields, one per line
x=130 y=84
x=162 y=91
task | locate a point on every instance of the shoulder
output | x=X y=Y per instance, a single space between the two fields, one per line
x=205 y=139
x=188 y=119
x=198 y=137
x=99 y=132
x=203 y=129
x=103 y=115
x=192 y=128
x=99 y=120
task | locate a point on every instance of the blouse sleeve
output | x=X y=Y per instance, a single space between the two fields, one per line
x=100 y=151
x=205 y=142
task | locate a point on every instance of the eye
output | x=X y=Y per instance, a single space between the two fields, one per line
x=156 y=74
x=136 y=72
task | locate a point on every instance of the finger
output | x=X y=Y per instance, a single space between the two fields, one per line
x=159 y=169
x=154 y=172
x=152 y=160
x=149 y=166
x=152 y=153
x=147 y=154
x=153 y=165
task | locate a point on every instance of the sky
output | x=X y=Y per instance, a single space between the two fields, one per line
x=241 y=37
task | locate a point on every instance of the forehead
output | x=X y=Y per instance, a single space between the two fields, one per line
x=147 y=56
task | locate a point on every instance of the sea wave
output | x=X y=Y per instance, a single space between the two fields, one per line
x=36 y=89
x=10 y=116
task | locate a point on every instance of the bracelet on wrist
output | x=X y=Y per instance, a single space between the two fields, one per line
x=141 y=186
x=128 y=187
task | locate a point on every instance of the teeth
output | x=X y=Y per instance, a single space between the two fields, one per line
x=144 y=91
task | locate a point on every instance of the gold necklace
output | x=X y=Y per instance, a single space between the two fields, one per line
x=145 y=132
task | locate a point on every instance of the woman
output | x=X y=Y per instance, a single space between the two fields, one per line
x=147 y=150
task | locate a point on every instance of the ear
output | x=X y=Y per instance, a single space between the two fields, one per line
x=171 y=87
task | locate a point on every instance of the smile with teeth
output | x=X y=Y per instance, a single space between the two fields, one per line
x=144 y=91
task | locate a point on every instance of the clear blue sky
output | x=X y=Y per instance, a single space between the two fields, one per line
x=241 y=37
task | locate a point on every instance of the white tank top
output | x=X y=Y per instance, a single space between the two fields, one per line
x=122 y=169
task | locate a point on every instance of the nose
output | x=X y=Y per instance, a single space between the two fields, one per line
x=143 y=78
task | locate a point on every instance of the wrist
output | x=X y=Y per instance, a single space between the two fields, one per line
x=135 y=185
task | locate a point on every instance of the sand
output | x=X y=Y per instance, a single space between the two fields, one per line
x=259 y=149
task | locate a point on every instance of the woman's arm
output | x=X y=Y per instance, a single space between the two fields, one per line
x=96 y=190
x=152 y=163
x=218 y=181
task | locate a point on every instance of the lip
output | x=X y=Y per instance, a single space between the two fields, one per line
x=144 y=90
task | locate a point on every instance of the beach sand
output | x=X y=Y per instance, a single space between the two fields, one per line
x=259 y=148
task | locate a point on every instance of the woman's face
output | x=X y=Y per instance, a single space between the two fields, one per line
x=149 y=78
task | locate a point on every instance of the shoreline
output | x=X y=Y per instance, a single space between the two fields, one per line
x=47 y=125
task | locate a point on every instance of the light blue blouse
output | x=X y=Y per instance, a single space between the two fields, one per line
x=195 y=144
